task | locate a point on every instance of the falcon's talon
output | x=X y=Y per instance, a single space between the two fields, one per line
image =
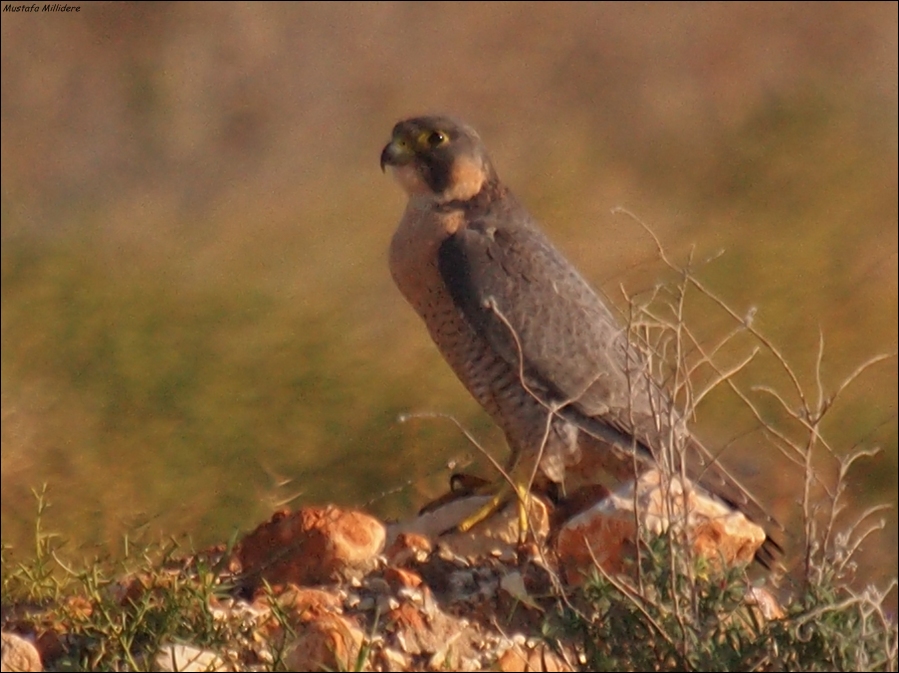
x=517 y=323
x=502 y=497
x=496 y=503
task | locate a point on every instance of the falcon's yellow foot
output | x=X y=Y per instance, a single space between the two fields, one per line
x=503 y=493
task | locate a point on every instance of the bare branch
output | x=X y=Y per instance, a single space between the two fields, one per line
x=721 y=377
x=867 y=364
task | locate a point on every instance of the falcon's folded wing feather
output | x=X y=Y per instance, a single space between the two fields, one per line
x=517 y=290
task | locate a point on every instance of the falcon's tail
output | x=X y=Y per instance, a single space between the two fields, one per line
x=710 y=473
x=617 y=454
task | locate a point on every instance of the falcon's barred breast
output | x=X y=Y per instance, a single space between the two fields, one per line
x=521 y=328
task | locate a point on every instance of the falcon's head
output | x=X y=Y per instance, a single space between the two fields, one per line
x=438 y=158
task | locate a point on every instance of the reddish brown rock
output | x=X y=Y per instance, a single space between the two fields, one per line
x=310 y=546
x=579 y=501
x=46 y=632
x=407 y=548
x=444 y=640
x=606 y=533
x=539 y=658
x=406 y=618
x=304 y=604
x=400 y=578
x=318 y=636
x=328 y=643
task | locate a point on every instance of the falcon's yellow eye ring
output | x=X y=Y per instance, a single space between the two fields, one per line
x=433 y=138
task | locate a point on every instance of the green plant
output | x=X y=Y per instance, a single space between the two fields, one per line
x=673 y=611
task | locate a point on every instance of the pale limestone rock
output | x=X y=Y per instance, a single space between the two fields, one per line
x=177 y=657
x=19 y=655
x=606 y=533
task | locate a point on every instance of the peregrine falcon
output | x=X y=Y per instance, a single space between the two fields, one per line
x=523 y=330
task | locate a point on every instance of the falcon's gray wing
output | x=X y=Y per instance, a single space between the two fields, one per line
x=534 y=309
x=518 y=291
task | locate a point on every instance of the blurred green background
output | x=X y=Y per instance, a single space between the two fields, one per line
x=198 y=322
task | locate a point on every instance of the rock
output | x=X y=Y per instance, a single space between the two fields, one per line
x=576 y=502
x=430 y=635
x=310 y=629
x=717 y=532
x=178 y=657
x=539 y=658
x=306 y=604
x=406 y=548
x=767 y=606
x=399 y=578
x=18 y=654
x=328 y=643
x=310 y=546
x=513 y=584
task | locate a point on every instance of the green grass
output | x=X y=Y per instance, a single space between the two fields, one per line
x=668 y=611
x=676 y=620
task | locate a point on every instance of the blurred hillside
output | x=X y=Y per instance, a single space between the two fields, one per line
x=197 y=317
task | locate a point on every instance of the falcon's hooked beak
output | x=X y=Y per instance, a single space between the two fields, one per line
x=397 y=152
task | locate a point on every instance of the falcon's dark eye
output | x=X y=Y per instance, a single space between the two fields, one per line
x=437 y=138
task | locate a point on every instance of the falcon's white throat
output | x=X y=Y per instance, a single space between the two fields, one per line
x=410 y=180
